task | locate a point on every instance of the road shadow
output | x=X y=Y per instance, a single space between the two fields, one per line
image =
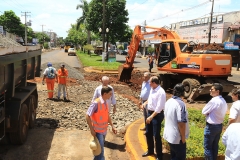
x=114 y=146
x=37 y=145
x=123 y=61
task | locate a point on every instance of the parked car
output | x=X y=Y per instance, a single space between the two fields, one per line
x=123 y=52
x=138 y=54
x=71 y=51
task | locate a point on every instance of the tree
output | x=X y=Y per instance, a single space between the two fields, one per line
x=77 y=36
x=116 y=18
x=42 y=37
x=83 y=19
x=12 y=23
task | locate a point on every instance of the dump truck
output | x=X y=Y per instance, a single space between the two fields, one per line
x=18 y=96
x=178 y=63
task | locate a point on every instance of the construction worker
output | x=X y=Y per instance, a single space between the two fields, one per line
x=62 y=81
x=50 y=75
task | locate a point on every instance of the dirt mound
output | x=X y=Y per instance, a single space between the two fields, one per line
x=212 y=46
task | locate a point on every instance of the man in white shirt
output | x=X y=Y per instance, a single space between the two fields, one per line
x=145 y=90
x=234 y=116
x=214 y=111
x=176 y=128
x=155 y=106
x=231 y=139
x=97 y=93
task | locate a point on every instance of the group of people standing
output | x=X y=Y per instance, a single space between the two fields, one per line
x=52 y=75
x=176 y=131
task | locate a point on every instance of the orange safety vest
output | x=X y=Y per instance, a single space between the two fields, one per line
x=100 y=118
x=62 y=76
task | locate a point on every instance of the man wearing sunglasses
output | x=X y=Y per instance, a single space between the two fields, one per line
x=214 y=111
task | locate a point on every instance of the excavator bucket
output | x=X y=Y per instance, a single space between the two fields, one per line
x=124 y=74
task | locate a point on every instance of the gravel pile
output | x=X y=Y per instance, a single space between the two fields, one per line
x=71 y=115
x=72 y=72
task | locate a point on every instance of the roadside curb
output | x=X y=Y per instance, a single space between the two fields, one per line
x=92 y=70
x=135 y=141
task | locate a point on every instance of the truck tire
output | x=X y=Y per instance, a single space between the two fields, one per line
x=32 y=111
x=20 y=136
x=189 y=85
x=164 y=81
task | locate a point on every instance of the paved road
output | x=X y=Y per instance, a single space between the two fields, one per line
x=60 y=56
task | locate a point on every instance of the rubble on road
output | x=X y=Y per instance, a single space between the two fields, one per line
x=71 y=115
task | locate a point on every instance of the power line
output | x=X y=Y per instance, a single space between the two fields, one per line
x=18 y=4
x=12 y=6
x=181 y=11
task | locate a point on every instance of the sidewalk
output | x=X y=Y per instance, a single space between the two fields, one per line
x=136 y=142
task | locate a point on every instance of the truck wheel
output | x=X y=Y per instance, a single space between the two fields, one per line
x=32 y=110
x=189 y=85
x=164 y=81
x=20 y=136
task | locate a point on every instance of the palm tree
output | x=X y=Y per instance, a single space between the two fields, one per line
x=83 y=19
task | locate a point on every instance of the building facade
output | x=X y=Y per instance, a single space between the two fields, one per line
x=225 y=28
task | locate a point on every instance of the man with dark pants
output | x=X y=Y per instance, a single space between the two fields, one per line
x=176 y=128
x=144 y=95
x=155 y=106
x=214 y=111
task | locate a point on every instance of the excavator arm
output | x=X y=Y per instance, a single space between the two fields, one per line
x=125 y=70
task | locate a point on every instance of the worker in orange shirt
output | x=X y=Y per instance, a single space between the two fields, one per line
x=50 y=75
x=62 y=81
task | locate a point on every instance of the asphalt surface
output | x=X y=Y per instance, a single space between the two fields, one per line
x=60 y=56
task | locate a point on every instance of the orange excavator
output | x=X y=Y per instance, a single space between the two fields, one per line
x=196 y=70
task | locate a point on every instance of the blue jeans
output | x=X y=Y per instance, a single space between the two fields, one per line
x=178 y=151
x=153 y=130
x=101 y=139
x=211 y=138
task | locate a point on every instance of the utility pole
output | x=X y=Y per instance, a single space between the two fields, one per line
x=43 y=36
x=144 y=41
x=103 y=26
x=25 y=14
x=50 y=36
x=210 y=25
x=42 y=27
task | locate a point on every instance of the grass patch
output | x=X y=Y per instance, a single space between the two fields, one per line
x=197 y=123
x=95 y=61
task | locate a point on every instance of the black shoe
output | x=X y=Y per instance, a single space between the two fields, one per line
x=147 y=154
x=65 y=99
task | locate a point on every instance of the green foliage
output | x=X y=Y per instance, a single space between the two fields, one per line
x=12 y=23
x=195 y=140
x=150 y=49
x=84 y=6
x=46 y=46
x=95 y=61
x=116 y=19
x=42 y=37
x=77 y=36
x=88 y=47
x=120 y=47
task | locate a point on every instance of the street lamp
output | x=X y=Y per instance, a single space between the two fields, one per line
x=106 y=32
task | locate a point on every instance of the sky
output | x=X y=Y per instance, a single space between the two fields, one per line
x=58 y=15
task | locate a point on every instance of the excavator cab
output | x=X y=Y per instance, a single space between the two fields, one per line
x=167 y=54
